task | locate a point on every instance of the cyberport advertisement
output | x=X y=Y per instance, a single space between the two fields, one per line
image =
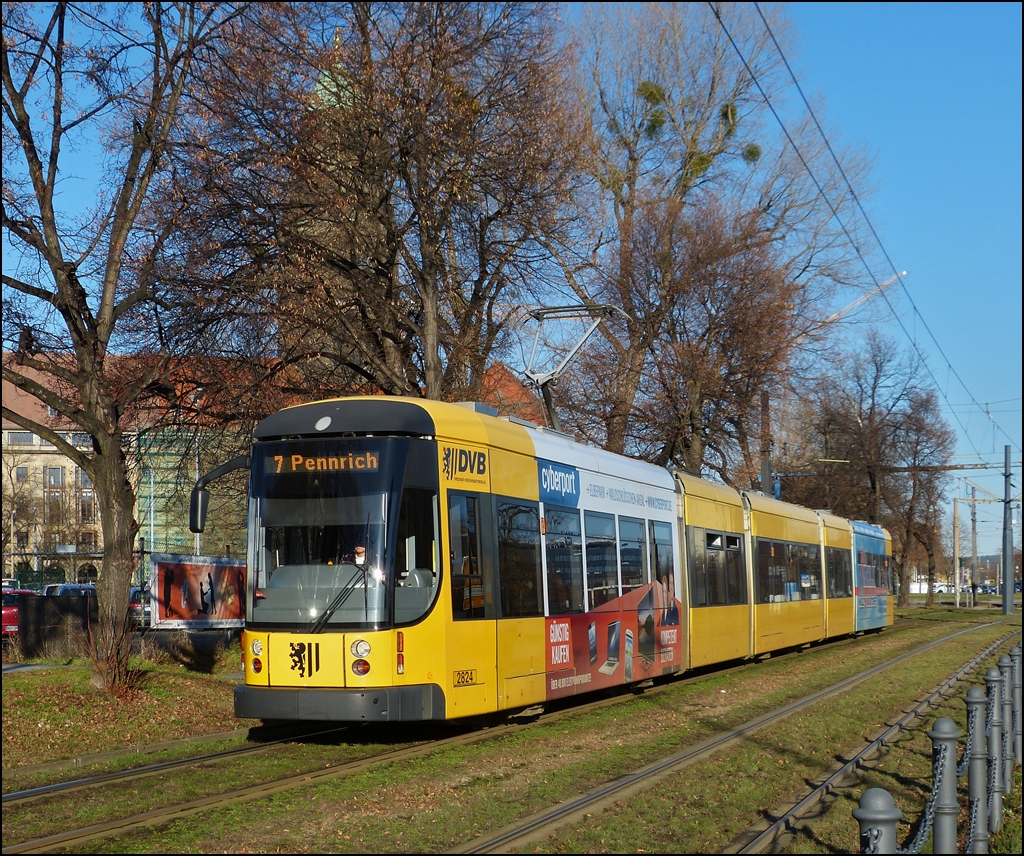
x=631 y=639
x=196 y=592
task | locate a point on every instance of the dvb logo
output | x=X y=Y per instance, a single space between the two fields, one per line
x=463 y=462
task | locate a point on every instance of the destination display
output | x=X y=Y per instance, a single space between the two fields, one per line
x=367 y=462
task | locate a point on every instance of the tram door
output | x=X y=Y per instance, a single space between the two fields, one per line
x=471 y=681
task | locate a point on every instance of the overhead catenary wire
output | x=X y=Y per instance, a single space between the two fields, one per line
x=878 y=240
x=716 y=12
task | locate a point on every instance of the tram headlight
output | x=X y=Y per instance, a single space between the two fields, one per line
x=360 y=648
x=360 y=667
x=257 y=647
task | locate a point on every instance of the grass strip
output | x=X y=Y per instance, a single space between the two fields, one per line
x=434 y=803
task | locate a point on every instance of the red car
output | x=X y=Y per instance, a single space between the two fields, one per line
x=11 y=610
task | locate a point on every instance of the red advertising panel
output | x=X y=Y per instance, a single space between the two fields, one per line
x=631 y=638
x=196 y=591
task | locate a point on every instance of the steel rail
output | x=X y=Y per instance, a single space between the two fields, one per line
x=169 y=813
x=787 y=823
x=14 y=773
x=29 y=794
x=543 y=823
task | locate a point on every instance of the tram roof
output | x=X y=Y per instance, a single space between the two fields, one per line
x=464 y=422
x=768 y=505
x=695 y=486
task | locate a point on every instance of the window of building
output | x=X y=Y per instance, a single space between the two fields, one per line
x=21 y=438
x=21 y=474
x=87 y=506
x=563 y=546
x=81 y=440
x=519 y=558
x=21 y=540
x=53 y=476
x=87 y=542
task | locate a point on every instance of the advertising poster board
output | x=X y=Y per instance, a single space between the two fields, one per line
x=196 y=592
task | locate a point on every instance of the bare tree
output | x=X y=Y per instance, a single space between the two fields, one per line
x=679 y=145
x=108 y=80
x=874 y=446
x=416 y=154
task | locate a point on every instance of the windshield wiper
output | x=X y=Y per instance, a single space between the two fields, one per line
x=343 y=594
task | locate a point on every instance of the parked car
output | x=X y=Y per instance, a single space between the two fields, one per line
x=51 y=589
x=10 y=607
x=76 y=589
x=139 y=611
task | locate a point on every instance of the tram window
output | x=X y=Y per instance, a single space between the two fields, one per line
x=773 y=571
x=633 y=553
x=602 y=567
x=809 y=568
x=871 y=571
x=563 y=545
x=698 y=567
x=466 y=573
x=519 y=559
x=715 y=558
x=717 y=570
x=735 y=575
x=839 y=575
x=416 y=556
x=661 y=546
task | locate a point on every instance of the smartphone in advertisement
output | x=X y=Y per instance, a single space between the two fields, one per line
x=629 y=656
x=592 y=639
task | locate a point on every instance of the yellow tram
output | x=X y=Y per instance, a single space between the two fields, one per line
x=417 y=560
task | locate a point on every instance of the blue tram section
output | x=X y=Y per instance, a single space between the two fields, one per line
x=872 y=576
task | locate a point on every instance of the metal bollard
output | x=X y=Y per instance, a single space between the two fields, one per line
x=944 y=736
x=1006 y=670
x=994 y=681
x=1015 y=655
x=877 y=815
x=977 y=771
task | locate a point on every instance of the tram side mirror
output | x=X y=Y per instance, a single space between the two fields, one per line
x=198 y=504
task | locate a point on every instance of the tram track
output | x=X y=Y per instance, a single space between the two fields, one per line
x=78 y=837
x=129 y=774
x=786 y=820
x=135 y=773
x=543 y=824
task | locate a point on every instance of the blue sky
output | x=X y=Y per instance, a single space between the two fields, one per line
x=932 y=91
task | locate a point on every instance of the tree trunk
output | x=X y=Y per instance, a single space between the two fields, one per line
x=111 y=646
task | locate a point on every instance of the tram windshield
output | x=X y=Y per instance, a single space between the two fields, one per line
x=340 y=535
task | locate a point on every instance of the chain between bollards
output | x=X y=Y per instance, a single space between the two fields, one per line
x=992 y=747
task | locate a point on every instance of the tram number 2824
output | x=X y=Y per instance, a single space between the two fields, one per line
x=464 y=678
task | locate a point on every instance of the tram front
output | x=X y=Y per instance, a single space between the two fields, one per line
x=343 y=559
